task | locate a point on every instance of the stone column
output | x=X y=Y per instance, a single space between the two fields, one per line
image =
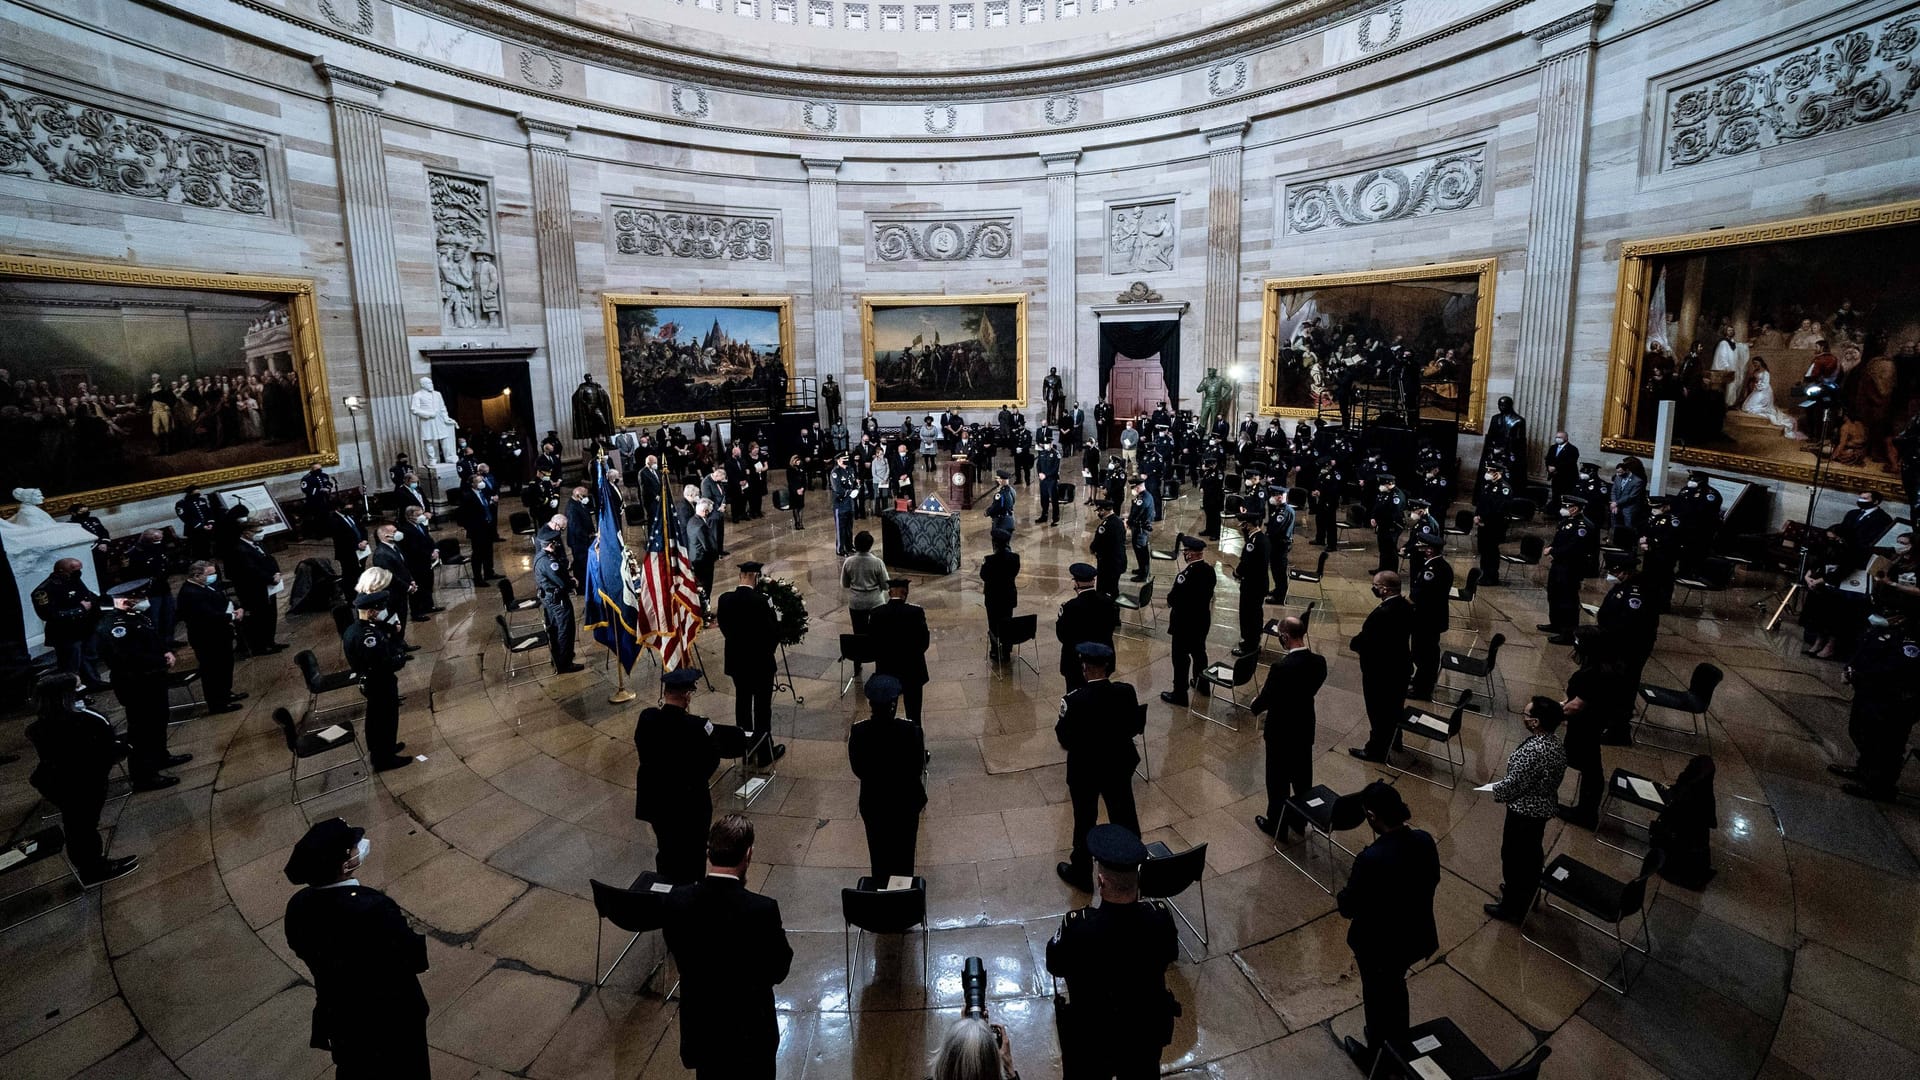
x=1553 y=240
x=372 y=265
x=1220 y=310
x=1063 y=290
x=829 y=321
x=559 y=275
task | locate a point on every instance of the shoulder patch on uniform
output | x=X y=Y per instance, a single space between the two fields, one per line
x=119 y=631
x=1633 y=602
x=553 y=566
x=370 y=640
x=1912 y=650
x=1428 y=575
x=39 y=596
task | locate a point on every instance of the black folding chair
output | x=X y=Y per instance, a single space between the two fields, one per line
x=1443 y=1049
x=637 y=909
x=1141 y=602
x=1610 y=901
x=306 y=745
x=319 y=684
x=518 y=644
x=1324 y=813
x=1229 y=678
x=1469 y=666
x=511 y=605
x=855 y=649
x=1418 y=722
x=872 y=908
x=1166 y=875
x=1022 y=630
x=1695 y=700
x=1146 y=767
x=38 y=848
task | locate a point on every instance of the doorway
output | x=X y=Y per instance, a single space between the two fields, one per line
x=490 y=397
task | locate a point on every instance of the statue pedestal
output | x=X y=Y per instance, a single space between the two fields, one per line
x=444 y=482
x=31 y=553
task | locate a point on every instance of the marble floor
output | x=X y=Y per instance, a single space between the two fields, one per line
x=1802 y=959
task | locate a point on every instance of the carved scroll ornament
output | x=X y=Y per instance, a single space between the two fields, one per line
x=1438 y=184
x=682 y=234
x=957 y=240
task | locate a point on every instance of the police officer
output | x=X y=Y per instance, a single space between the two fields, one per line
x=1389 y=521
x=1661 y=548
x=843 y=484
x=147 y=558
x=1490 y=519
x=1431 y=590
x=1571 y=551
x=1328 y=478
x=1096 y=728
x=1000 y=503
x=678 y=754
x=901 y=638
x=1633 y=623
x=1140 y=517
x=1388 y=900
x=1884 y=672
x=1088 y=616
x=887 y=753
x=318 y=488
x=1189 y=617
x=70 y=610
x=1213 y=495
x=1114 y=957
x=1251 y=573
x=375 y=651
x=77 y=750
x=1023 y=453
x=1421 y=526
x=553 y=584
x=746 y=622
x=1108 y=547
x=138 y=660
x=1049 y=467
x=196 y=522
x=1699 y=513
x=1280 y=522
x=1593 y=487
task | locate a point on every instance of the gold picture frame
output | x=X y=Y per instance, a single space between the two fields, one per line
x=612 y=305
x=898 y=303
x=307 y=359
x=1481 y=271
x=1640 y=262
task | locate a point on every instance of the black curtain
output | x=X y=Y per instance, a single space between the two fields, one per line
x=1137 y=341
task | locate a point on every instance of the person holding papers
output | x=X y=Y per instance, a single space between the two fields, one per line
x=1531 y=791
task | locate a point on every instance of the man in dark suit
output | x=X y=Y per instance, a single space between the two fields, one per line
x=581 y=527
x=1096 y=729
x=715 y=489
x=254 y=574
x=746 y=621
x=887 y=753
x=417 y=550
x=1287 y=700
x=1108 y=548
x=208 y=617
x=1859 y=531
x=900 y=638
x=365 y=959
x=1089 y=616
x=732 y=952
x=1385 y=648
x=387 y=556
x=1189 y=617
x=1563 y=465
x=1389 y=899
x=1430 y=593
x=407 y=493
x=349 y=543
x=476 y=513
x=678 y=754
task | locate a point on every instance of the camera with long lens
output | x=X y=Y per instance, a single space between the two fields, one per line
x=973 y=987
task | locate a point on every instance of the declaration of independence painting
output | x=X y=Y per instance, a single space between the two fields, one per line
x=926 y=352
x=1773 y=342
x=121 y=382
x=1376 y=339
x=673 y=358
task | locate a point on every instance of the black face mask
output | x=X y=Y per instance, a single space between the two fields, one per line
x=1864 y=504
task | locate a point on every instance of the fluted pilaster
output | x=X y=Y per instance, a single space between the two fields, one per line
x=1062 y=283
x=559 y=272
x=1221 y=309
x=829 y=321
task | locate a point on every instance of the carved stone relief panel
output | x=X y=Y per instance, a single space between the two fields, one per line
x=666 y=232
x=52 y=138
x=1143 y=237
x=1835 y=83
x=906 y=239
x=1439 y=183
x=472 y=292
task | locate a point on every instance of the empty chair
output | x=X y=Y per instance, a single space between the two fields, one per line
x=189 y=681
x=855 y=649
x=521 y=523
x=1324 y=813
x=1229 y=678
x=1021 y=630
x=1445 y=1050
x=1631 y=788
x=1418 y=722
x=511 y=605
x=1608 y=900
x=1166 y=875
x=1141 y=602
x=319 y=684
x=1521 y=511
x=449 y=552
x=1462 y=524
x=637 y=910
x=518 y=644
x=1146 y=767
x=1695 y=700
x=1172 y=552
x=1714 y=576
x=304 y=745
x=38 y=848
x=1467 y=665
x=872 y=908
x=1272 y=629
x=1315 y=577
x=1531 y=549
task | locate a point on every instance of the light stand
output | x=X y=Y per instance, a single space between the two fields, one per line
x=354 y=404
x=1820 y=403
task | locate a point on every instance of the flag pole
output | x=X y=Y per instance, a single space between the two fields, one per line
x=621 y=694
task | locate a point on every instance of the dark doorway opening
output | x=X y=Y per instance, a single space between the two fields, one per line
x=490 y=396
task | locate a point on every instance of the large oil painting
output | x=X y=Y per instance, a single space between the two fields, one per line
x=120 y=382
x=928 y=352
x=673 y=358
x=1339 y=343
x=1779 y=345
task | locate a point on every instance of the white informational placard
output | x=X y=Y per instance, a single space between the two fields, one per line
x=262 y=511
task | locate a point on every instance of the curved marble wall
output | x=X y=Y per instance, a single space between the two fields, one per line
x=1545 y=116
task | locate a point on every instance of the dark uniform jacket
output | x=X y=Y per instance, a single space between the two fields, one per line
x=678 y=754
x=997 y=574
x=1389 y=897
x=900 y=637
x=77 y=751
x=746 y=621
x=550 y=578
x=732 y=952
x=375 y=651
x=1287 y=697
x=1190 y=600
x=1096 y=728
x=1430 y=590
x=1109 y=546
x=1630 y=615
x=1089 y=616
x=57 y=602
x=194 y=512
x=1251 y=573
x=365 y=960
x=1571 y=546
x=130 y=645
x=1114 y=958
x=888 y=756
x=1385 y=641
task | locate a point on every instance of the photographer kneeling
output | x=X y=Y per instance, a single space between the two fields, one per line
x=1114 y=957
x=974 y=1049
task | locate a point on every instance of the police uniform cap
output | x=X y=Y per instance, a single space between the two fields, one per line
x=1193 y=543
x=131 y=590
x=1386 y=478
x=1247 y=510
x=680 y=678
x=1572 y=500
x=1419 y=504
x=882 y=689
x=371 y=600
x=1116 y=847
x=1622 y=560
x=1083 y=572
x=1095 y=652
x=317 y=858
x=898 y=583
x=1102 y=504
x=1383 y=801
x=1137 y=480
x=751 y=567
x=1002 y=474
x=1660 y=500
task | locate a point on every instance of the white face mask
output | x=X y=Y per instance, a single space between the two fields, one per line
x=361 y=849
x=211 y=578
x=142 y=605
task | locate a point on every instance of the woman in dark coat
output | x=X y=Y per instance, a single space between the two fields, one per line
x=1681 y=830
x=796 y=487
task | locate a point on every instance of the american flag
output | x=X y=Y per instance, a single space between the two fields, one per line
x=669 y=598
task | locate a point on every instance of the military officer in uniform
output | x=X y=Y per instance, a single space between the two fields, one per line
x=678 y=754
x=746 y=622
x=843 y=484
x=553 y=584
x=376 y=652
x=365 y=959
x=1140 y=527
x=1572 y=552
x=70 y=610
x=1109 y=547
x=139 y=661
x=1189 y=617
x=209 y=617
x=1114 y=959
x=900 y=636
x=1388 y=900
x=1280 y=522
x=1251 y=573
x=887 y=753
x=1090 y=615
x=1389 y=521
x=1096 y=728
x=1049 y=467
x=1213 y=495
x=1385 y=648
x=1884 y=672
x=196 y=522
x=1431 y=591
x=1490 y=519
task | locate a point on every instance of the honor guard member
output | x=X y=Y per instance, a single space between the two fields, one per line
x=1385 y=648
x=1096 y=728
x=70 y=611
x=365 y=958
x=1884 y=672
x=1213 y=495
x=1280 y=522
x=1119 y=1013
x=86 y=519
x=1388 y=901
x=900 y=637
x=1389 y=521
x=196 y=522
x=376 y=652
x=747 y=623
x=1189 y=617
x=1699 y=513
x=843 y=484
x=553 y=584
x=1431 y=590
x=1661 y=547
x=1490 y=519
x=209 y=618
x=1108 y=548
x=1633 y=622
x=1023 y=455
x=138 y=661
x=1140 y=516
x=1049 y=468
x=1251 y=573
x=1088 y=616
x=1000 y=503
x=887 y=753
x=1421 y=524
x=678 y=754
x=318 y=488
x=1324 y=496
x=1572 y=552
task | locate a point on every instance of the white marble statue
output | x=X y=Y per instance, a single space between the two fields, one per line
x=436 y=425
x=29 y=516
x=34 y=541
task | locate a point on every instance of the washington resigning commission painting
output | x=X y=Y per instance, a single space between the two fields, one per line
x=926 y=352
x=120 y=382
x=672 y=358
